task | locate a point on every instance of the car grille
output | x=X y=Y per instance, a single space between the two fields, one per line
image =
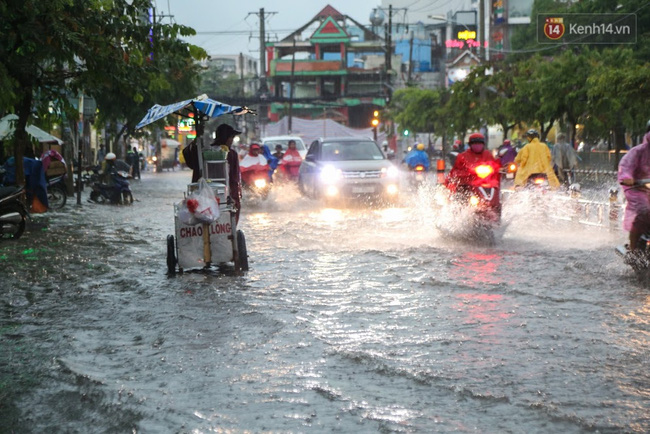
x=365 y=174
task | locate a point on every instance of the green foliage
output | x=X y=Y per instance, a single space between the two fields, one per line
x=105 y=48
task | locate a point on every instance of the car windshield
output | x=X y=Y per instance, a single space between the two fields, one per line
x=348 y=151
x=300 y=146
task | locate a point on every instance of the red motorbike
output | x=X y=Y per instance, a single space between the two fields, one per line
x=290 y=170
x=256 y=181
x=480 y=195
x=483 y=195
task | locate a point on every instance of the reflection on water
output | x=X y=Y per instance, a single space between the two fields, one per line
x=351 y=319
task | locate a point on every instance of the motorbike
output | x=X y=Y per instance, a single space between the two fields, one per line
x=640 y=262
x=256 y=183
x=290 y=170
x=483 y=200
x=13 y=212
x=508 y=172
x=417 y=174
x=118 y=193
x=57 y=194
x=538 y=181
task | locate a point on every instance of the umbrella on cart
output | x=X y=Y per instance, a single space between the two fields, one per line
x=200 y=109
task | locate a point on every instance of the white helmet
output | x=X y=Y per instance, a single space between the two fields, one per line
x=110 y=156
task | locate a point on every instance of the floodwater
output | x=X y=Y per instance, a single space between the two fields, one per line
x=350 y=320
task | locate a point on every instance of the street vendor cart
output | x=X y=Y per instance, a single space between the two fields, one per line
x=203 y=244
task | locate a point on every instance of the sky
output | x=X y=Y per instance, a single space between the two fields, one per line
x=229 y=16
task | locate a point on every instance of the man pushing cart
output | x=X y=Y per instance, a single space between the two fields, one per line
x=206 y=220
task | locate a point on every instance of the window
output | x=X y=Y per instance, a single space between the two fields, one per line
x=350 y=151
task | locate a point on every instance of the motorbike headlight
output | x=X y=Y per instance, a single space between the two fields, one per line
x=260 y=183
x=473 y=201
x=330 y=174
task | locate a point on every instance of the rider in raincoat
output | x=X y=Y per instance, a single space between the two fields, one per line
x=290 y=162
x=506 y=153
x=272 y=160
x=416 y=157
x=254 y=165
x=565 y=159
x=533 y=158
x=464 y=171
x=635 y=165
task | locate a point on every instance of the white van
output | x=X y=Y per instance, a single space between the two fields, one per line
x=273 y=141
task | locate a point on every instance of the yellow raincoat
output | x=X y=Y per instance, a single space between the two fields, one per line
x=535 y=157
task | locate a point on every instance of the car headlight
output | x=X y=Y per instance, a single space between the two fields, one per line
x=330 y=174
x=390 y=172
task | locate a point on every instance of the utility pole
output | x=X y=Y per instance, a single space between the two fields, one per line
x=293 y=66
x=389 y=51
x=481 y=28
x=408 y=80
x=263 y=86
x=263 y=89
x=241 y=74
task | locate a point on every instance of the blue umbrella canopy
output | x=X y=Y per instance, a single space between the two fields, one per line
x=201 y=106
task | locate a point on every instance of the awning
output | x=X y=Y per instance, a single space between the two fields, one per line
x=200 y=105
x=7 y=129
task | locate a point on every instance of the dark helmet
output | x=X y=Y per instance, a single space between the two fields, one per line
x=532 y=133
x=476 y=138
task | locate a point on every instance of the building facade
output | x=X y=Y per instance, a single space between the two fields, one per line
x=331 y=67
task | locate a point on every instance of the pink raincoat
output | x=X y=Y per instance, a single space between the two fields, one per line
x=635 y=165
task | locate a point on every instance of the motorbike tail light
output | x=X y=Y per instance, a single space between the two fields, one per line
x=484 y=170
x=512 y=167
x=539 y=181
x=419 y=168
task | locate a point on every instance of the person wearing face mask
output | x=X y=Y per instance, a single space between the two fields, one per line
x=464 y=171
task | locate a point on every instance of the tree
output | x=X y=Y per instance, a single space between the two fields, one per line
x=618 y=96
x=103 y=47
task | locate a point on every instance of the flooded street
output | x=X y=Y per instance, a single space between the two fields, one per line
x=350 y=320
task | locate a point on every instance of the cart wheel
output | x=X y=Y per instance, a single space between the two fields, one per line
x=243 y=253
x=171 y=255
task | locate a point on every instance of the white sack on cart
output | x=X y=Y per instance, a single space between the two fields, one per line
x=200 y=206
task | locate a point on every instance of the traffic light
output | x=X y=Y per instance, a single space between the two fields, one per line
x=375 y=123
x=406 y=132
x=375 y=119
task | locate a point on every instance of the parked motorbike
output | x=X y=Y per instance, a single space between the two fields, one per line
x=57 y=194
x=13 y=212
x=118 y=193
